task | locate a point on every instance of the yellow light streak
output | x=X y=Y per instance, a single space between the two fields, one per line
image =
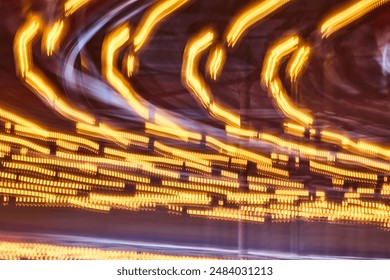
x=91 y=181
x=5 y=149
x=229 y=174
x=131 y=63
x=196 y=85
x=270 y=79
x=8 y=189
x=359 y=146
x=85 y=204
x=348 y=14
x=180 y=153
x=240 y=131
x=215 y=62
x=47 y=92
x=139 y=165
x=29 y=167
x=24 y=36
x=56 y=184
x=102 y=131
x=124 y=176
x=267 y=169
x=210 y=181
x=71 y=6
x=116 y=39
x=192 y=54
x=237 y=152
x=9 y=176
x=24 y=143
x=86 y=167
x=11 y=116
x=273 y=182
x=38 y=188
x=343 y=173
x=172 y=133
x=52 y=36
x=252 y=14
x=226 y=214
x=363 y=161
x=24 y=64
x=42 y=134
x=294 y=129
x=111 y=46
x=297 y=62
x=100 y=161
x=195 y=187
x=152 y=18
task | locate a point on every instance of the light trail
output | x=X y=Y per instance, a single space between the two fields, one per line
x=270 y=79
x=23 y=57
x=194 y=49
x=72 y=6
x=348 y=14
x=153 y=17
x=297 y=62
x=249 y=16
x=52 y=36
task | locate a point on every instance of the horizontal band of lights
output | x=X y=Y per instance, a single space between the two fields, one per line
x=158 y=160
x=29 y=168
x=38 y=188
x=50 y=135
x=310 y=152
x=343 y=173
x=38 y=251
x=86 y=167
x=57 y=184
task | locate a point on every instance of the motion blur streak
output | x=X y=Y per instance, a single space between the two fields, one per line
x=274 y=57
x=154 y=16
x=297 y=62
x=110 y=50
x=269 y=77
x=249 y=16
x=130 y=64
x=22 y=42
x=111 y=46
x=153 y=165
x=349 y=14
x=71 y=6
x=52 y=36
x=216 y=61
x=192 y=54
x=24 y=63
